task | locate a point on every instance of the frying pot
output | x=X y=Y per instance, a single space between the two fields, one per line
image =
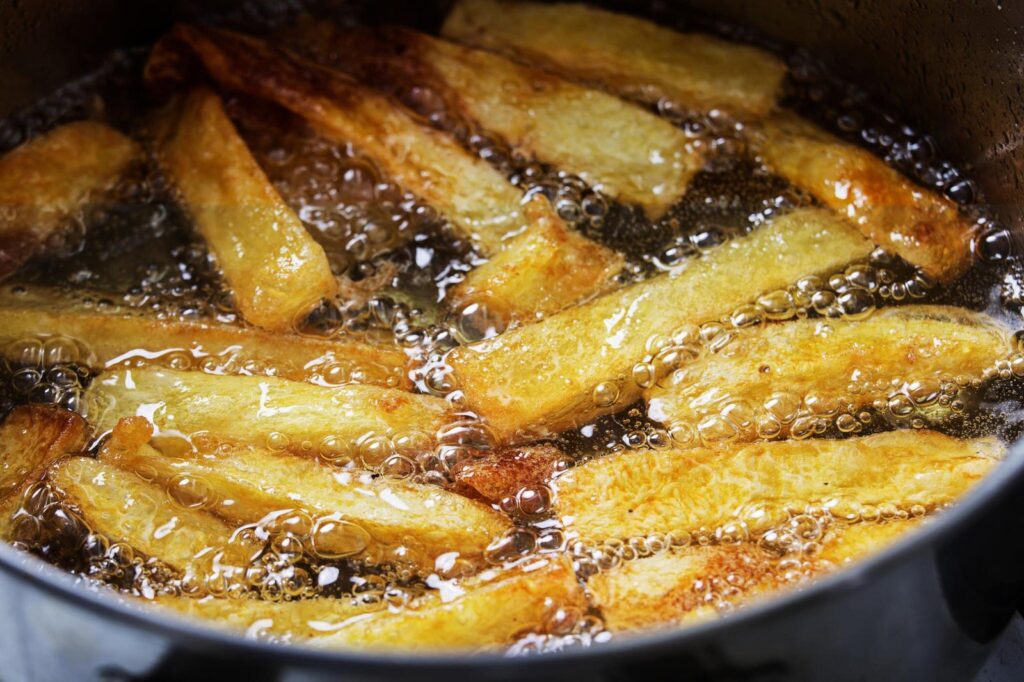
x=928 y=607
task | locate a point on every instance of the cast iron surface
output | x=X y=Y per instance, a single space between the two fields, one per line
x=928 y=608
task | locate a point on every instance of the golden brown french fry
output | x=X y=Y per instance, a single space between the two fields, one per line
x=474 y=196
x=44 y=181
x=545 y=270
x=617 y=147
x=641 y=492
x=920 y=226
x=780 y=378
x=492 y=609
x=579 y=363
x=31 y=439
x=356 y=515
x=116 y=336
x=124 y=508
x=628 y=55
x=368 y=422
x=682 y=585
x=275 y=268
x=506 y=472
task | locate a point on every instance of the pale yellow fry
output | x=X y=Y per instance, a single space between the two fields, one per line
x=264 y=411
x=540 y=272
x=276 y=270
x=778 y=379
x=114 y=336
x=673 y=587
x=488 y=610
x=123 y=508
x=386 y=519
x=628 y=55
x=543 y=377
x=642 y=492
x=474 y=196
x=615 y=146
x=922 y=227
x=46 y=180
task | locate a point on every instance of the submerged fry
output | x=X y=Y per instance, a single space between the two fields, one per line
x=540 y=272
x=616 y=147
x=920 y=226
x=123 y=508
x=628 y=55
x=579 y=363
x=503 y=474
x=46 y=180
x=356 y=515
x=368 y=422
x=674 y=587
x=779 y=379
x=636 y=493
x=276 y=270
x=116 y=336
x=489 y=610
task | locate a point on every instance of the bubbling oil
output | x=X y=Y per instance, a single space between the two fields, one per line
x=396 y=258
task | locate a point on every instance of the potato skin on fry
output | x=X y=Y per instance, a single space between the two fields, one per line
x=115 y=336
x=345 y=419
x=276 y=270
x=662 y=590
x=541 y=378
x=642 y=492
x=781 y=373
x=44 y=181
x=925 y=229
x=544 y=270
x=628 y=55
x=124 y=508
x=395 y=521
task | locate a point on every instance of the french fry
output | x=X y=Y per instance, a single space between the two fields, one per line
x=31 y=439
x=578 y=364
x=920 y=226
x=276 y=270
x=124 y=508
x=44 y=181
x=541 y=272
x=615 y=146
x=117 y=336
x=470 y=193
x=673 y=587
x=785 y=375
x=388 y=519
x=502 y=474
x=367 y=421
x=492 y=609
x=625 y=54
x=634 y=493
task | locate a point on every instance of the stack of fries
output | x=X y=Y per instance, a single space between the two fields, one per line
x=790 y=446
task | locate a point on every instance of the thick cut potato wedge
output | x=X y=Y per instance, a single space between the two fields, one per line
x=683 y=585
x=113 y=336
x=641 y=492
x=357 y=516
x=781 y=376
x=122 y=507
x=276 y=270
x=625 y=54
x=490 y=610
x=468 y=191
x=617 y=147
x=548 y=268
x=577 y=364
x=46 y=180
x=920 y=226
x=31 y=439
x=368 y=422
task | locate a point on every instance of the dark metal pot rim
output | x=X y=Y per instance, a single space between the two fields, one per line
x=990 y=491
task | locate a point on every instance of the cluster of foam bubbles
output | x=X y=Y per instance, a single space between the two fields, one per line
x=45 y=370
